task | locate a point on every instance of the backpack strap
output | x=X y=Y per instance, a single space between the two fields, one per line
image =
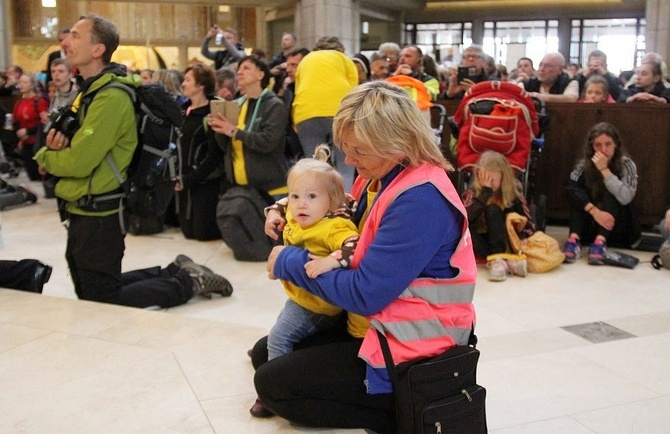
x=86 y=100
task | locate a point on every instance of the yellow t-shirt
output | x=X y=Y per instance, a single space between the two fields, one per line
x=358 y=325
x=321 y=239
x=322 y=79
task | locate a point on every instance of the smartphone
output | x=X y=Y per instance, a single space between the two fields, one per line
x=469 y=72
x=219 y=39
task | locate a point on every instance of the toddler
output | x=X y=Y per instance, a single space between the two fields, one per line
x=316 y=219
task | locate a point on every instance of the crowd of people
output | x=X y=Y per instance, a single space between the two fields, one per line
x=320 y=364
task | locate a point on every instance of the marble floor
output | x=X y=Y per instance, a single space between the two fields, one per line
x=579 y=350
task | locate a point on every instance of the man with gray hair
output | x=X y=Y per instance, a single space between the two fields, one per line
x=552 y=84
x=474 y=59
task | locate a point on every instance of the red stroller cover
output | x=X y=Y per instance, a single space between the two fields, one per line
x=497 y=116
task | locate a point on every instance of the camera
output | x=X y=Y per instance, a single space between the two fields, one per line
x=62 y=120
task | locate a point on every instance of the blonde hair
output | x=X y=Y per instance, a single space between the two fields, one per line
x=384 y=117
x=509 y=185
x=318 y=168
x=168 y=79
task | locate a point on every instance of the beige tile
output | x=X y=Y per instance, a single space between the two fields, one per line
x=644 y=360
x=12 y=336
x=650 y=416
x=62 y=383
x=506 y=346
x=562 y=425
x=61 y=315
x=529 y=389
x=231 y=415
x=212 y=355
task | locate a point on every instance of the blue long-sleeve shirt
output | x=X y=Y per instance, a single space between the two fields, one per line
x=416 y=238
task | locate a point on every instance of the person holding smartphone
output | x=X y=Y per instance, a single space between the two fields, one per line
x=470 y=71
x=227 y=38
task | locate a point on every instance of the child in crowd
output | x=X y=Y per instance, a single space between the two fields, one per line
x=315 y=219
x=495 y=192
x=596 y=90
x=600 y=191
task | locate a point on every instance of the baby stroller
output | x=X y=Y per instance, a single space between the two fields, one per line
x=501 y=117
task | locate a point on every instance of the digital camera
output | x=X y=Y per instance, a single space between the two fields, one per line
x=63 y=120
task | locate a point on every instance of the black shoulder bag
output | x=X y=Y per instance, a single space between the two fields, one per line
x=438 y=394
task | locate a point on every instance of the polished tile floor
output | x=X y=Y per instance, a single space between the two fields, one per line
x=578 y=350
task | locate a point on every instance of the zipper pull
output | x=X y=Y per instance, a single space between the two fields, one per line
x=438 y=427
x=467 y=395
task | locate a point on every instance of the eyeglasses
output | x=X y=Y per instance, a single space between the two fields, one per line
x=472 y=56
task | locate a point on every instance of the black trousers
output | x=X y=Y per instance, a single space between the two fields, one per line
x=94 y=252
x=321 y=384
x=197 y=211
x=626 y=229
x=18 y=274
x=494 y=240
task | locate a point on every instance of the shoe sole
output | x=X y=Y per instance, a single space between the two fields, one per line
x=497 y=279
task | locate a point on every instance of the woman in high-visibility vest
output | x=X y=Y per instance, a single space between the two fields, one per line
x=413 y=271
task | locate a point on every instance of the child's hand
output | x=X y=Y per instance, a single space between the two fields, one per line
x=320 y=264
x=274 y=224
x=489 y=179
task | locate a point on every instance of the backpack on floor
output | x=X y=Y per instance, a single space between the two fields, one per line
x=152 y=173
x=662 y=260
x=241 y=220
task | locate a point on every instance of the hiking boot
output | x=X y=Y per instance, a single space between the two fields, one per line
x=597 y=253
x=518 y=267
x=497 y=270
x=28 y=194
x=572 y=250
x=205 y=281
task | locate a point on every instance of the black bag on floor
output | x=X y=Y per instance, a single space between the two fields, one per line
x=438 y=394
x=620 y=259
x=241 y=221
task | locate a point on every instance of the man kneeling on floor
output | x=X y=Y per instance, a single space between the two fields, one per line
x=95 y=243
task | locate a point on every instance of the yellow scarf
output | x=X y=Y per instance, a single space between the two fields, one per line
x=239 y=166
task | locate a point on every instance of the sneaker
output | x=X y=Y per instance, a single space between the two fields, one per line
x=597 y=253
x=518 y=267
x=205 y=281
x=572 y=250
x=497 y=270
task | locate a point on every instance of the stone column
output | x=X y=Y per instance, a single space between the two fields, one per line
x=5 y=42
x=657 y=37
x=317 y=18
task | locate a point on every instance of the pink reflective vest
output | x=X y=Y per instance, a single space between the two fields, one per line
x=431 y=315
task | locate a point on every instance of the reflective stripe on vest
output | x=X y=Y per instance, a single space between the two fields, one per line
x=431 y=315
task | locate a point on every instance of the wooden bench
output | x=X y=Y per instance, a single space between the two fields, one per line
x=645 y=131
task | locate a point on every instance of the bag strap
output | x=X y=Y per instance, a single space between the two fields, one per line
x=388 y=357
